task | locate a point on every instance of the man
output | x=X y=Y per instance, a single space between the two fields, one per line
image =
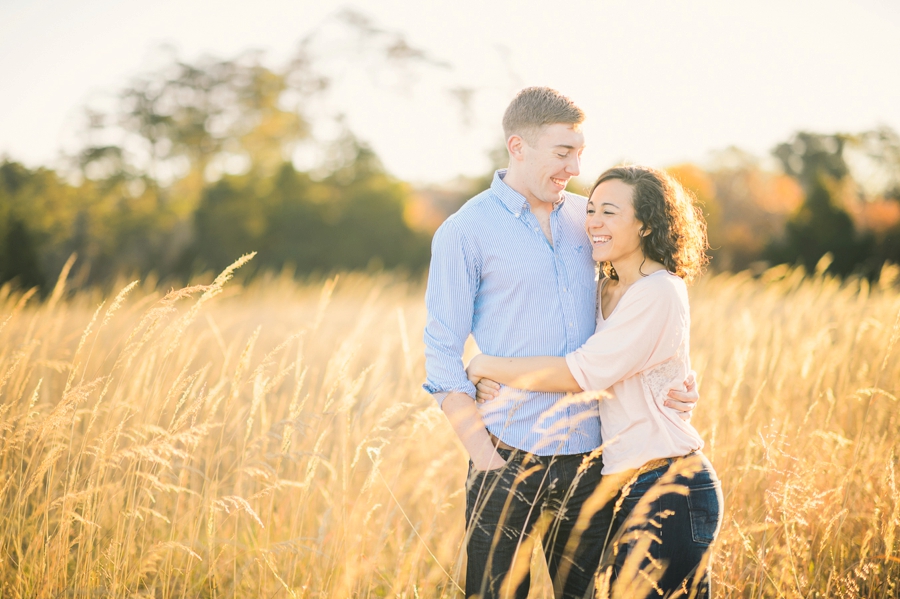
x=513 y=267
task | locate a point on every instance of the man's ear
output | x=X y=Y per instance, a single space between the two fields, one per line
x=515 y=145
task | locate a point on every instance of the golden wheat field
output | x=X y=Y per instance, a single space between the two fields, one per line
x=273 y=440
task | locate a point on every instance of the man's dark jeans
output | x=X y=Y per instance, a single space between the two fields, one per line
x=664 y=527
x=543 y=499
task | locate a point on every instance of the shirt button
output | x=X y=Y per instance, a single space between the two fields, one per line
x=571 y=324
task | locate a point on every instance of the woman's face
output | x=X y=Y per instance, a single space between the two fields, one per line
x=611 y=224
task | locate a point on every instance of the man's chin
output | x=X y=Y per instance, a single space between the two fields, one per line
x=553 y=197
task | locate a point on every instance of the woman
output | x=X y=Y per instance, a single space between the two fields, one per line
x=650 y=240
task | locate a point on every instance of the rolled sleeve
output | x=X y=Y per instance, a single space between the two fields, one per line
x=450 y=301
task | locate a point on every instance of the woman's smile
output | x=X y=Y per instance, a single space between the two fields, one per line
x=611 y=224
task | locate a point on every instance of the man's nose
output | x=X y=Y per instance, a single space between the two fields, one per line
x=573 y=168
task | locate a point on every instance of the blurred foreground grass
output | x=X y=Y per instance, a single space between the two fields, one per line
x=274 y=441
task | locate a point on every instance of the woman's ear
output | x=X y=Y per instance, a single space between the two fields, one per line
x=644 y=231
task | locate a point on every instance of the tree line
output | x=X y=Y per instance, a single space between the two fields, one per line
x=192 y=168
x=834 y=195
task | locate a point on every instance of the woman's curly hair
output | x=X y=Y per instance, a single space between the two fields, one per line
x=677 y=237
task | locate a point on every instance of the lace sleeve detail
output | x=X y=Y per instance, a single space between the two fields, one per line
x=659 y=379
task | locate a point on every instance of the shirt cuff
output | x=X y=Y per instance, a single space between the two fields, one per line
x=440 y=395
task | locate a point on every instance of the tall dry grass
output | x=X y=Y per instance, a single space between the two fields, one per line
x=274 y=441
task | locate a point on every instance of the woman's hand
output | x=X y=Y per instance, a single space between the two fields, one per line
x=472 y=369
x=486 y=390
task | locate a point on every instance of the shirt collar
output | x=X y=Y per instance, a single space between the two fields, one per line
x=514 y=201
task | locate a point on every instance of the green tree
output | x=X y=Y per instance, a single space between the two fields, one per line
x=352 y=219
x=19 y=256
x=821 y=224
x=194 y=168
x=35 y=218
x=809 y=156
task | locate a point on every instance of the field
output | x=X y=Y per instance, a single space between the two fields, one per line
x=273 y=440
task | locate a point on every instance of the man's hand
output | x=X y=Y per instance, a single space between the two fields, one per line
x=684 y=401
x=466 y=421
x=490 y=460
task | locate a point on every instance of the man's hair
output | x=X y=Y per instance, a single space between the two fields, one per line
x=536 y=107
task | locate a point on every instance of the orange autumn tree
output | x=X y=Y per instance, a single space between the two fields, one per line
x=746 y=206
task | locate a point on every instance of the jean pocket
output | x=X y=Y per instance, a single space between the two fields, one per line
x=705 y=509
x=506 y=454
x=482 y=481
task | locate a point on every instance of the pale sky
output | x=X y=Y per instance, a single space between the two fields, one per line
x=662 y=82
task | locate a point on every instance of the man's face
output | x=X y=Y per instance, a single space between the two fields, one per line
x=553 y=159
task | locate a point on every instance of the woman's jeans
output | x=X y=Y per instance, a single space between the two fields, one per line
x=550 y=500
x=663 y=527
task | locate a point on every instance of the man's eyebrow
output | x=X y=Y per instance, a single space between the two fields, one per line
x=564 y=146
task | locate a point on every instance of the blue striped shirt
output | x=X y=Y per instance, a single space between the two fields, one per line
x=494 y=275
